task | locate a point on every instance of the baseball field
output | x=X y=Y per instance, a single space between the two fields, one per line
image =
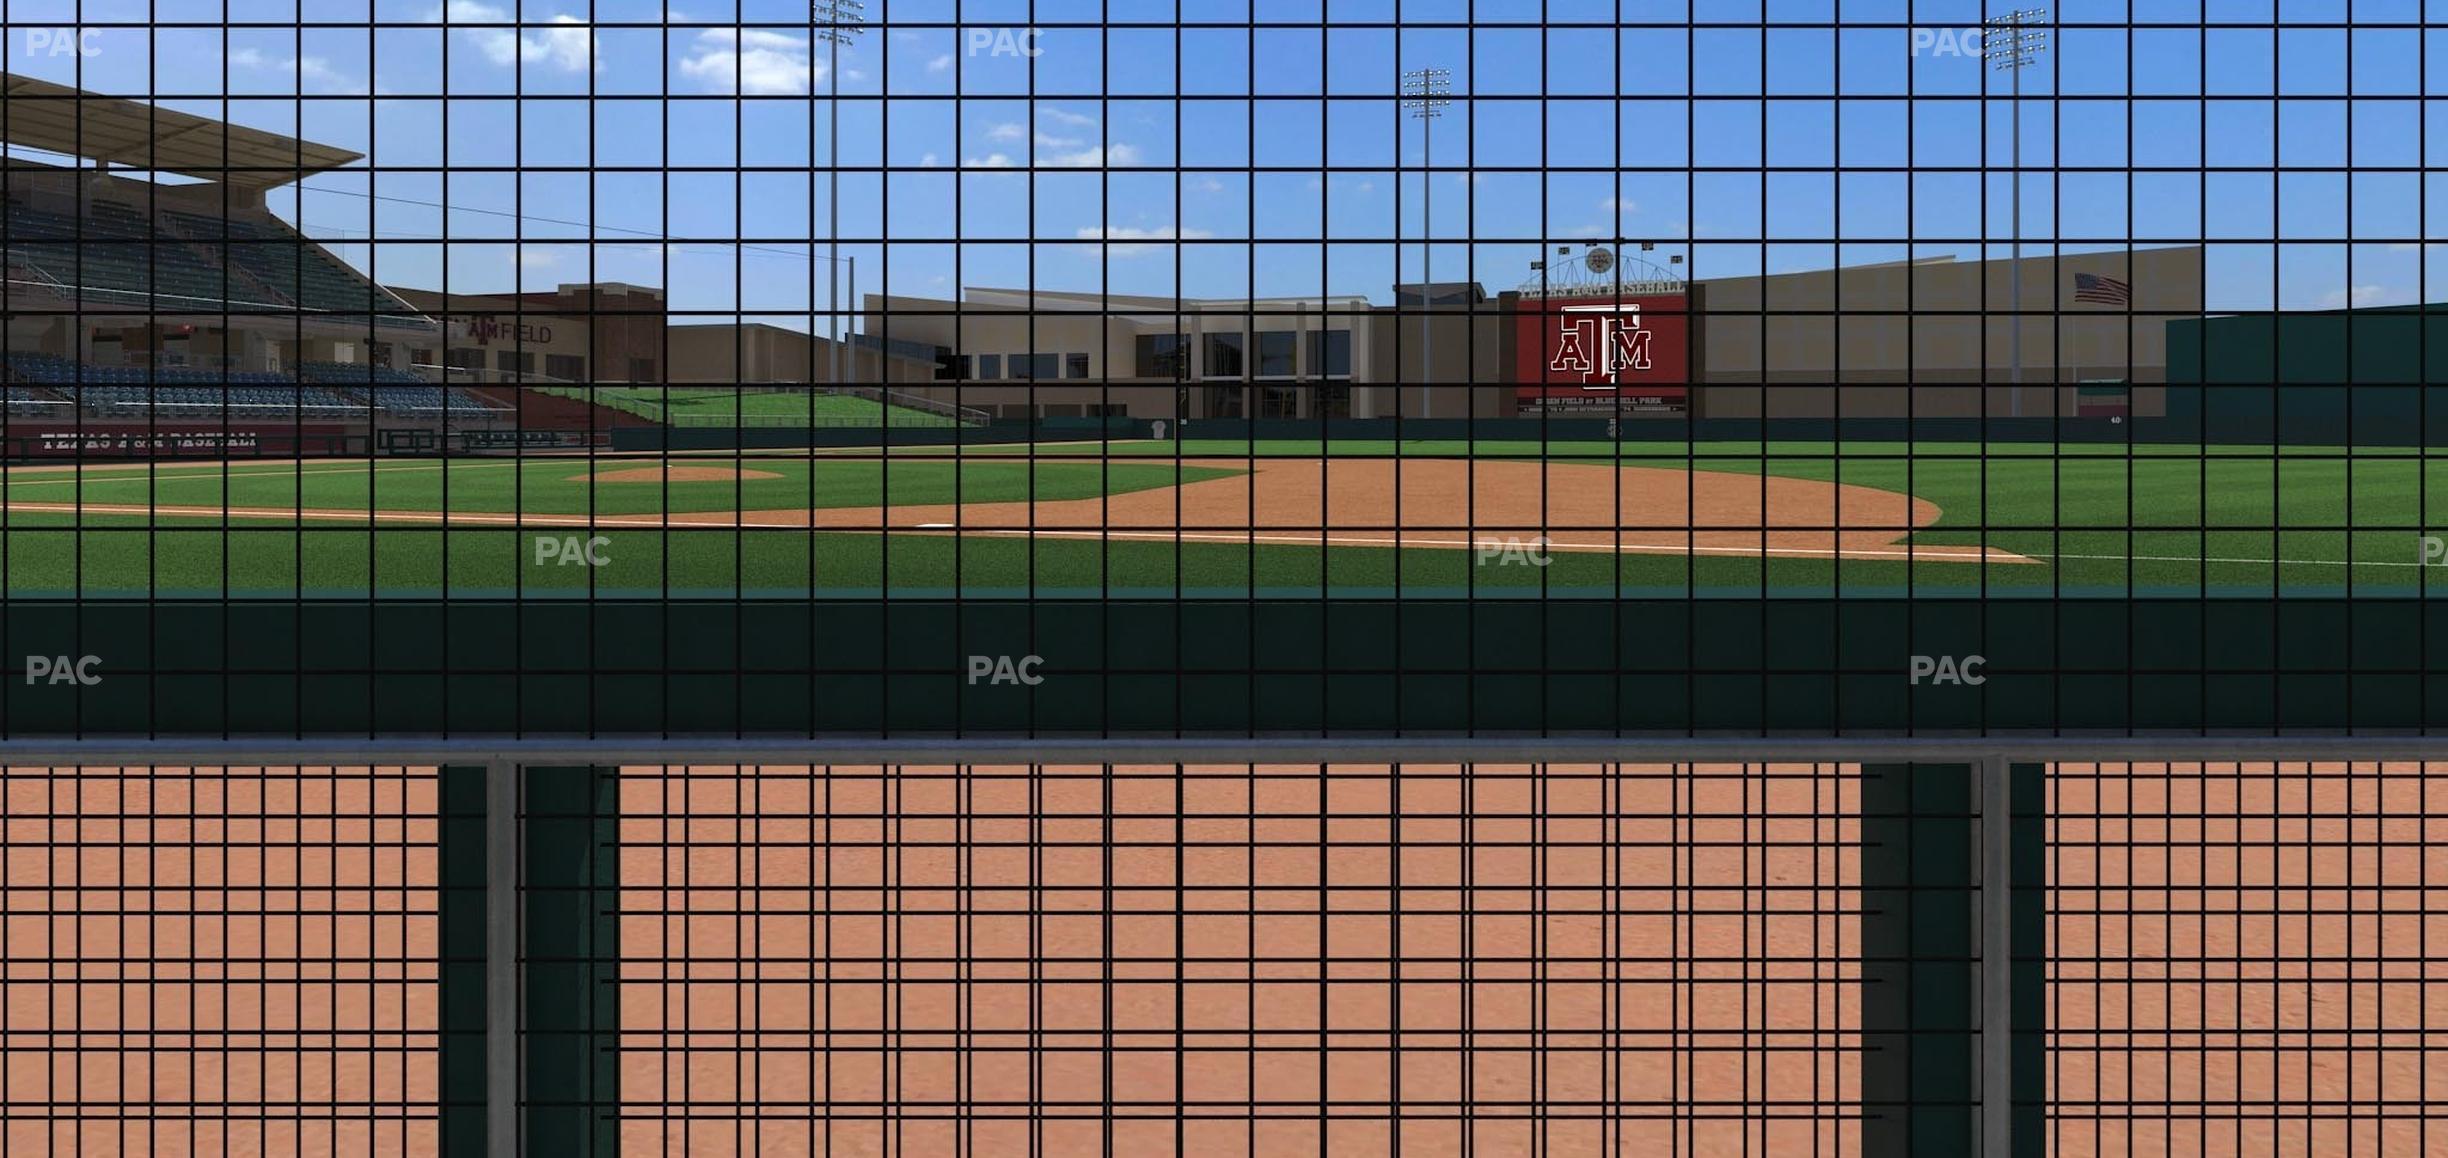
x=1228 y=518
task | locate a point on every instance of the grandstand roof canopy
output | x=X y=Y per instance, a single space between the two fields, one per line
x=121 y=131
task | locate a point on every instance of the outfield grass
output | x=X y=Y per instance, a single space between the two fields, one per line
x=2172 y=521
x=715 y=405
x=570 y=486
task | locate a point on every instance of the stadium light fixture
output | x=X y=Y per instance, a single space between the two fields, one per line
x=2012 y=43
x=837 y=22
x=1426 y=93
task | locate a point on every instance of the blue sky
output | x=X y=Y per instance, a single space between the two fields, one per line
x=1304 y=172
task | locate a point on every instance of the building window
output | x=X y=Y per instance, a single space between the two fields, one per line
x=1224 y=401
x=1275 y=353
x=566 y=367
x=1227 y=355
x=641 y=369
x=1164 y=356
x=1278 y=402
x=514 y=361
x=464 y=359
x=989 y=367
x=1075 y=365
x=1037 y=366
x=1332 y=401
x=1330 y=353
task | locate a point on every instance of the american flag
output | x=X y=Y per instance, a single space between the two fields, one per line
x=2106 y=291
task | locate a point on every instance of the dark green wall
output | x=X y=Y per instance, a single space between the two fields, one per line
x=1354 y=666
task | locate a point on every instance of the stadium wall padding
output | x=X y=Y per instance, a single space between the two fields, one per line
x=1346 y=666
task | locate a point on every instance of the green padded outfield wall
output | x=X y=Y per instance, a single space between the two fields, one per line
x=1359 y=666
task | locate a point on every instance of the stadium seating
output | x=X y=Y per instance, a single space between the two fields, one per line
x=121 y=253
x=396 y=391
x=118 y=257
x=31 y=402
x=281 y=258
x=53 y=385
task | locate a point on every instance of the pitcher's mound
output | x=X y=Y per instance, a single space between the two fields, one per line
x=663 y=474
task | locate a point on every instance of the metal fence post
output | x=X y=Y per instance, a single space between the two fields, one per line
x=502 y=949
x=1996 y=956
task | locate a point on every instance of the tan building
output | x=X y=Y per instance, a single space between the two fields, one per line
x=1888 y=340
x=1941 y=327
x=612 y=333
x=757 y=353
x=1053 y=353
x=602 y=332
x=1893 y=340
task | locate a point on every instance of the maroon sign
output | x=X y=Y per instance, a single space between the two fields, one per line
x=1627 y=352
x=172 y=440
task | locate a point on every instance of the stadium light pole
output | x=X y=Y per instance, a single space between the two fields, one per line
x=837 y=22
x=1426 y=92
x=2012 y=43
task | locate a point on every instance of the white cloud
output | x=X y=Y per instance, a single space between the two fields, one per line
x=312 y=71
x=1092 y=157
x=753 y=62
x=1062 y=116
x=989 y=161
x=1620 y=205
x=2363 y=295
x=930 y=161
x=567 y=43
x=1210 y=185
x=1133 y=241
x=940 y=64
x=1008 y=131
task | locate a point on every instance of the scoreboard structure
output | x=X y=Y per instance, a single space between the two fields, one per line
x=1628 y=352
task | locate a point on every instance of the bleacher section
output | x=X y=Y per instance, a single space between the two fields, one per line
x=118 y=261
x=57 y=387
x=181 y=261
x=297 y=269
x=397 y=391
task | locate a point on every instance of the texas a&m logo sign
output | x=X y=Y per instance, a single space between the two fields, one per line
x=1606 y=352
x=1601 y=343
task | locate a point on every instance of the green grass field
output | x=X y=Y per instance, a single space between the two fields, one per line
x=724 y=405
x=568 y=486
x=2162 y=521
